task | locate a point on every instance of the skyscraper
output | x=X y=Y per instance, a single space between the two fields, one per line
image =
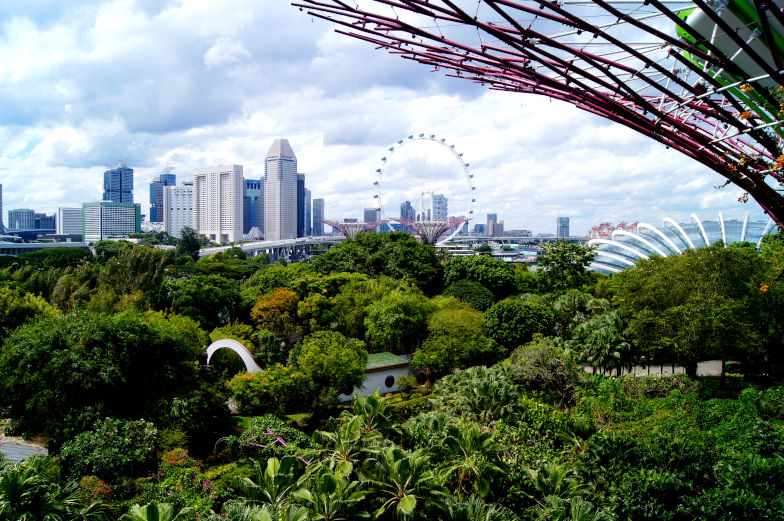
x=300 y=205
x=308 y=214
x=407 y=211
x=44 y=222
x=118 y=184
x=280 y=192
x=563 y=227
x=440 y=207
x=2 y=228
x=372 y=214
x=178 y=208
x=253 y=205
x=217 y=202
x=158 y=183
x=318 y=213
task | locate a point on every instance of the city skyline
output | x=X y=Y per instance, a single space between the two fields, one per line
x=226 y=89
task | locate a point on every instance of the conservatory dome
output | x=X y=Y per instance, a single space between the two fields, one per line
x=625 y=247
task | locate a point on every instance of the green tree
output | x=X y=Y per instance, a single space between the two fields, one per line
x=396 y=323
x=333 y=362
x=513 y=322
x=329 y=496
x=472 y=292
x=189 y=243
x=17 y=307
x=472 y=456
x=208 y=299
x=601 y=342
x=494 y=274
x=563 y=265
x=397 y=255
x=60 y=374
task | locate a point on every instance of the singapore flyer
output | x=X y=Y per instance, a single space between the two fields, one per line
x=427 y=176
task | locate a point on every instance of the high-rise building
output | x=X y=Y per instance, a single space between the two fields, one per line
x=318 y=213
x=158 y=183
x=1 y=209
x=308 y=214
x=107 y=220
x=480 y=230
x=70 y=221
x=280 y=192
x=178 y=208
x=118 y=184
x=44 y=222
x=440 y=207
x=372 y=214
x=217 y=202
x=300 y=205
x=253 y=205
x=495 y=229
x=407 y=211
x=563 y=227
x=21 y=219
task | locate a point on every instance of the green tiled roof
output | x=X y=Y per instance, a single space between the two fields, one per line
x=379 y=360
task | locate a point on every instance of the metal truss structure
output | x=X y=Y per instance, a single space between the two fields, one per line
x=430 y=231
x=351 y=229
x=705 y=77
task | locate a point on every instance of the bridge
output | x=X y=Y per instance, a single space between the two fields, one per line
x=582 y=241
x=281 y=249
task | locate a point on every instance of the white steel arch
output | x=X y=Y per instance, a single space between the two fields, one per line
x=657 y=231
x=685 y=236
x=745 y=224
x=702 y=228
x=640 y=238
x=723 y=230
x=229 y=343
x=610 y=255
x=621 y=245
x=766 y=230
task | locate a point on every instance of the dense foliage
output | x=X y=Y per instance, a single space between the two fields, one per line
x=510 y=411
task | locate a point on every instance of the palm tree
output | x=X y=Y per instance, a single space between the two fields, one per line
x=271 y=484
x=553 y=479
x=346 y=443
x=472 y=448
x=374 y=410
x=475 y=509
x=601 y=341
x=575 y=509
x=401 y=482
x=328 y=496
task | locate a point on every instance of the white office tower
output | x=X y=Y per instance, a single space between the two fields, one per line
x=440 y=207
x=70 y=221
x=280 y=192
x=217 y=202
x=178 y=208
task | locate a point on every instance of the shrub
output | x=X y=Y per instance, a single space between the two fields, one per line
x=112 y=448
x=259 y=439
x=278 y=390
x=657 y=386
x=549 y=368
x=472 y=292
x=513 y=322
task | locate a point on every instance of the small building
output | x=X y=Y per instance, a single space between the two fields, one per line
x=381 y=374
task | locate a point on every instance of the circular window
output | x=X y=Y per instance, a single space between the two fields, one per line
x=390 y=381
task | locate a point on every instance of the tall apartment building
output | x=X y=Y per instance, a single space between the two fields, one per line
x=118 y=184
x=253 y=205
x=301 y=205
x=318 y=213
x=2 y=227
x=217 y=202
x=440 y=207
x=178 y=208
x=280 y=192
x=70 y=221
x=562 y=229
x=107 y=220
x=157 y=185
x=21 y=219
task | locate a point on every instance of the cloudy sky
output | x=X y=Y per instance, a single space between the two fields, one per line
x=85 y=84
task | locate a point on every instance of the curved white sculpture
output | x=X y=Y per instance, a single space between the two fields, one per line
x=702 y=229
x=680 y=230
x=646 y=226
x=637 y=237
x=230 y=343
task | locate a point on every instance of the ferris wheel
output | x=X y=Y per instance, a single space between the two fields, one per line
x=464 y=178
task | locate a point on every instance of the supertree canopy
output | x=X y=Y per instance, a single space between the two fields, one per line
x=430 y=231
x=705 y=78
x=350 y=229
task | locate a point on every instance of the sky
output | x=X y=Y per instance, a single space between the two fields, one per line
x=86 y=84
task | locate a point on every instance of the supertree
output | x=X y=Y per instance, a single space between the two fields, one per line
x=703 y=77
x=430 y=231
x=351 y=229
